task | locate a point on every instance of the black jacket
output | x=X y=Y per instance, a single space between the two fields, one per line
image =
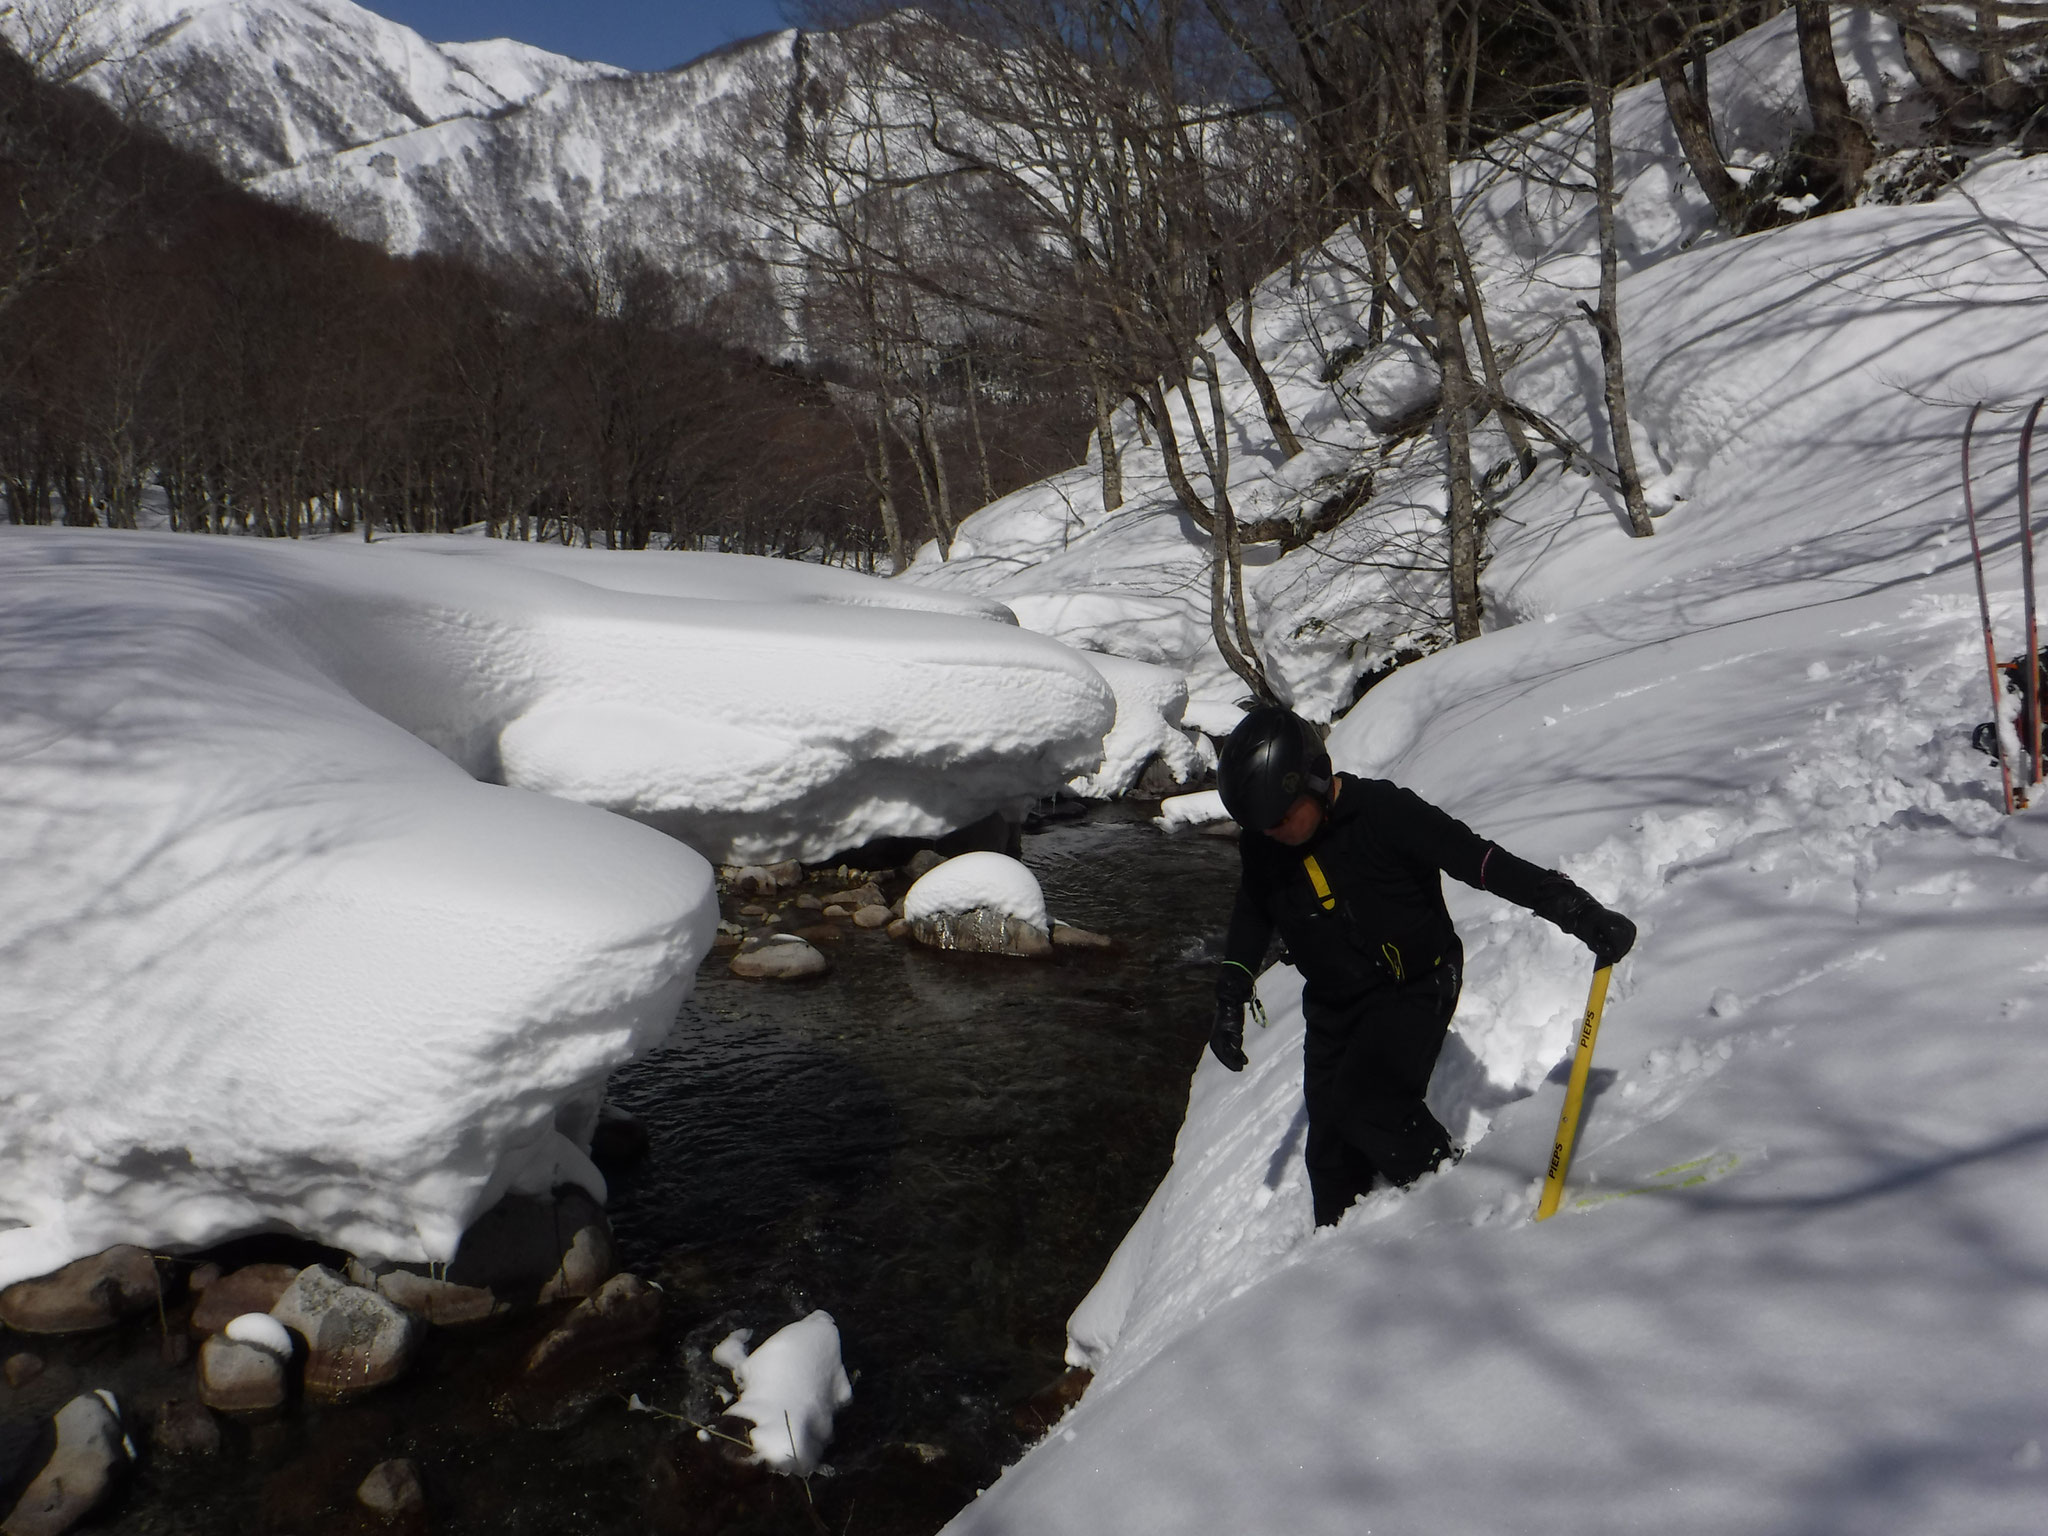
x=1383 y=851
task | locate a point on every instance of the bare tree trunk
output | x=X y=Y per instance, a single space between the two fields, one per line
x=884 y=482
x=1227 y=619
x=1169 y=453
x=1105 y=442
x=1841 y=145
x=1489 y=362
x=2000 y=88
x=1693 y=122
x=1376 y=264
x=1455 y=407
x=988 y=486
x=1243 y=348
x=1607 y=319
x=935 y=462
x=1935 y=77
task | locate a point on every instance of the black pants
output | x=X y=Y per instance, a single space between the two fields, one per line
x=1367 y=1065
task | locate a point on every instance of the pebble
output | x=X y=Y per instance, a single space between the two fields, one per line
x=809 y=903
x=617 y=1138
x=517 y=1246
x=236 y=1377
x=356 y=1340
x=1067 y=936
x=834 y=909
x=754 y=910
x=625 y=1310
x=252 y=1288
x=869 y=895
x=586 y=1265
x=91 y=1453
x=764 y=879
x=93 y=1292
x=392 y=1491
x=23 y=1368
x=899 y=929
x=782 y=958
x=184 y=1428
x=874 y=916
x=440 y=1302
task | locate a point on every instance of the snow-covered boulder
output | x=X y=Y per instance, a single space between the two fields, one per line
x=987 y=903
x=992 y=882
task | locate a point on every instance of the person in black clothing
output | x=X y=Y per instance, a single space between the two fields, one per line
x=1348 y=872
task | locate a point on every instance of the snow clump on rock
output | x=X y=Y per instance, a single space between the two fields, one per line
x=985 y=882
x=789 y=1390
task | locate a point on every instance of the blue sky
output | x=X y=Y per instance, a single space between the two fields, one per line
x=640 y=34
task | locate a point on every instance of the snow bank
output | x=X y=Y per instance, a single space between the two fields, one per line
x=763 y=710
x=789 y=1390
x=991 y=882
x=276 y=952
x=1201 y=809
x=271 y=959
x=1149 y=703
x=1793 y=1286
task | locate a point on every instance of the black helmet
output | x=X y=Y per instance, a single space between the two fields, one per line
x=1271 y=759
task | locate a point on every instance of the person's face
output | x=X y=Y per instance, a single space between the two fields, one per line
x=1300 y=823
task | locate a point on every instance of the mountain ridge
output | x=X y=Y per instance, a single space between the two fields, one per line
x=492 y=150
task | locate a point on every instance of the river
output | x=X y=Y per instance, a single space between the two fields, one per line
x=941 y=1150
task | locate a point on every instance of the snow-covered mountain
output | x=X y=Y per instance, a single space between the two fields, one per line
x=488 y=149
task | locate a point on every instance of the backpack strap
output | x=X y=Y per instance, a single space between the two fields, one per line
x=1321 y=882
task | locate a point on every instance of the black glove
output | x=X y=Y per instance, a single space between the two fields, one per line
x=1226 y=1037
x=1608 y=934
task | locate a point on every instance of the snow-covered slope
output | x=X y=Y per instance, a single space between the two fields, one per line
x=287 y=936
x=257 y=85
x=1796 y=1283
x=586 y=169
x=1133 y=581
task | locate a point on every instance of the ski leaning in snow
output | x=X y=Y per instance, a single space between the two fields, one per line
x=2033 y=650
x=1574 y=1095
x=2030 y=716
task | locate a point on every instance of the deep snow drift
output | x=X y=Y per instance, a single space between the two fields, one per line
x=1796 y=1283
x=289 y=938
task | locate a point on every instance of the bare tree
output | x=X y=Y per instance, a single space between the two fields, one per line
x=1839 y=150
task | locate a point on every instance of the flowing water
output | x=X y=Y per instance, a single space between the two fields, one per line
x=941 y=1150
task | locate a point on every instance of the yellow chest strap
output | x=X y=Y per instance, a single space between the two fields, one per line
x=1321 y=882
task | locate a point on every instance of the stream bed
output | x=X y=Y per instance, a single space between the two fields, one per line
x=941 y=1150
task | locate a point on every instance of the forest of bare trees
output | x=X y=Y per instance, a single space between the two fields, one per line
x=162 y=331
x=997 y=224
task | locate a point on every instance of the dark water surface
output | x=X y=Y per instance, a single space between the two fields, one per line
x=940 y=1150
